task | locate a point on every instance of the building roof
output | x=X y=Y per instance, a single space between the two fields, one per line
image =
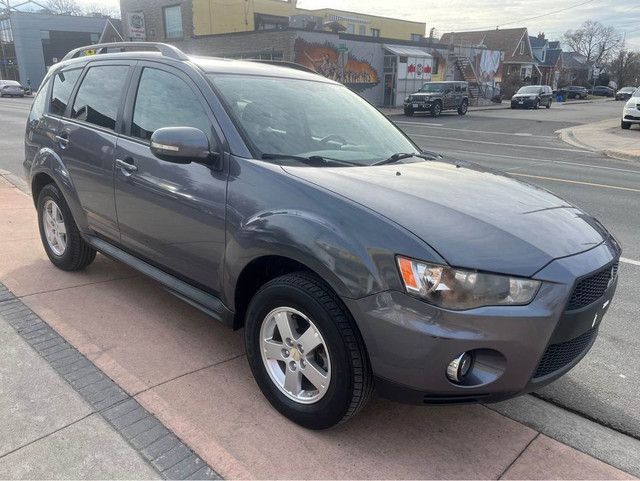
x=554 y=44
x=552 y=57
x=537 y=42
x=575 y=60
x=506 y=40
x=407 y=51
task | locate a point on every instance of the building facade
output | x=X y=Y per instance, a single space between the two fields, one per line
x=30 y=43
x=184 y=19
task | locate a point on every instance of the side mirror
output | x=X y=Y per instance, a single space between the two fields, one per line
x=183 y=145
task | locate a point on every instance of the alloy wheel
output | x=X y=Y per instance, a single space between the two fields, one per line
x=55 y=228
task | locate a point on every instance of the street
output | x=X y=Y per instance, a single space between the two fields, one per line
x=605 y=386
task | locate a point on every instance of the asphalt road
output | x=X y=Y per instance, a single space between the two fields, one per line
x=605 y=386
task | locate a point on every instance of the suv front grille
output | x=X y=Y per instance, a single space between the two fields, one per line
x=592 y=288
x=559 y=355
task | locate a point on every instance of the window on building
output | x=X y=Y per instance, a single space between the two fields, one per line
x=416 y=37
x=362 y=29
x=95 y=37
x=351 y=28
x=45 y=35
x=63 y=84
x=173 y=22
x=434 y=67
x=404 y=59
x=521 y=47
x=160 y=92
x=269 y=22
x=99 y=95
x=375 y=32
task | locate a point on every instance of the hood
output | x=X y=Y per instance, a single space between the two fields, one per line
x=427 y=94
x=524 y=95
x=473 y=217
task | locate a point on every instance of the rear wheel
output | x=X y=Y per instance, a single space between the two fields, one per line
x=625 y=125
x=462 y=110
x=408 y=111
x=306 y=353
x=60 y=236
x=436 y=109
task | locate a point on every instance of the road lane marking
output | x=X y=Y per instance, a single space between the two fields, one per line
x=629 y=261
x=577 y=182
x=548 y=161
x=455 y=139
x=477 y=131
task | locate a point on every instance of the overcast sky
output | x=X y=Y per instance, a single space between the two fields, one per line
x=457 y=15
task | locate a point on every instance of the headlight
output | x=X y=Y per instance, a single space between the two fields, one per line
x=533 y=97
x=460 y=289
x=407 y=99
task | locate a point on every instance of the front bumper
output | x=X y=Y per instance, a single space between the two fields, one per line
x=410 y=343
x=524 y=102
x=631 y=114
x=418 y=106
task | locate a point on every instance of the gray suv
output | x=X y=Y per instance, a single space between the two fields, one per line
x=434 y=97
x=279 y=201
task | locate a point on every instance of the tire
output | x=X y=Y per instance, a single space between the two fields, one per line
x=625 y=125
x=67 y=251
x=408 y=112
x=305 y=304
x=537 y=105
x=462 y=110
x=549 y=104
x=436 y=109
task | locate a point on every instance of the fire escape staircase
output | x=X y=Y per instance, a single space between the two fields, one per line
x=468 y=73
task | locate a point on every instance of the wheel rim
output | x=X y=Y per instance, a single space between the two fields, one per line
x=295 y=355
x=436 y=109
x=54 y=228
x=464 y=107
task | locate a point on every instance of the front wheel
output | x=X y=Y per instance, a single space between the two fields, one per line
x=625 y=125
x=408 y=112
x=436 y=109
x=60 y=236
x=306 y=353
x=537 y=105
x=549 y=104
x=462 y=110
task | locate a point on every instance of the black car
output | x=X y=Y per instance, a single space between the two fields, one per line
x=573 y=92
x=625 y=93
x=532 y=96
x=434 y=97
x=603 y=91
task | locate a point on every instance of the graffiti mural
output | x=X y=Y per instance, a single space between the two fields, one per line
x=338 y=65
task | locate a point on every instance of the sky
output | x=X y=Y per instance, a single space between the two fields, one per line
x=458 y=15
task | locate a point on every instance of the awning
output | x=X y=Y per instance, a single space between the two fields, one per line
x=406 y=51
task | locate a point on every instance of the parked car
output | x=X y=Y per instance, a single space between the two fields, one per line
x=573 y=92
x=532 y=96
x=11 y=88
x=625 y=93
x=278 y=200
x=631 y=111
x=434 y=97
x=603 y=91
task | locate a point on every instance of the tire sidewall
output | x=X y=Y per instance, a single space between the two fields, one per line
x=330 y=409
x=463 y=108
x=52 y=192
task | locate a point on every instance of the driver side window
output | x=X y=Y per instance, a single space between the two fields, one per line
x=165 y=100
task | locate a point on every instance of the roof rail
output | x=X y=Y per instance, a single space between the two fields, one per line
x=282 y=63
x=165 y=49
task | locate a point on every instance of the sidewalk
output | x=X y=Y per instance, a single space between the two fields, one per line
x=168 y=361
x=605 y=137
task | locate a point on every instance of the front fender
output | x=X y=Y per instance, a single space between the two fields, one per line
x=48 y=162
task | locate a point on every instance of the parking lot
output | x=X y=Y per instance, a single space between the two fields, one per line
x=193 y=375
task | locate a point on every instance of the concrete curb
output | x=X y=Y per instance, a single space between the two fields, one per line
x=19 y=182
x=568 y=136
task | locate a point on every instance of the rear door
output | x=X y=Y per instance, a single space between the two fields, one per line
x=86 y=137
x=171 y=215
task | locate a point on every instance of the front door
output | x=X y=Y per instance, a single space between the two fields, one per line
x=171 y=215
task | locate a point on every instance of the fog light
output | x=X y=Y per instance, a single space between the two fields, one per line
x=459 y=367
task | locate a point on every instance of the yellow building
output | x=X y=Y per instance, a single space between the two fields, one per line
x=228 y=16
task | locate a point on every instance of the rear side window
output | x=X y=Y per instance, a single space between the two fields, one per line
x=165 y=100
x=457 y=88
x=99 y=95
x=63 y=83
x=38 y=106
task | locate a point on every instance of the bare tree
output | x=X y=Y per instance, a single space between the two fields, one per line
x=593 y=40
x=64 y=7
x=625 y=68
x=96 y=9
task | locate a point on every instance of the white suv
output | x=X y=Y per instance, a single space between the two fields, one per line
x=631 y=111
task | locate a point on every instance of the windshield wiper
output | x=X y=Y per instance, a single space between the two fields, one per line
x=315 y=160
x=400 y=156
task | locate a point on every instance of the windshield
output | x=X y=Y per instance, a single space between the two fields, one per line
x=636 y=93
x=431 y=87
x=627 y=89
x=304 y=118
x=530 y=90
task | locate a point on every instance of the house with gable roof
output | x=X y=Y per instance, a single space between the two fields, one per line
x=549 y=57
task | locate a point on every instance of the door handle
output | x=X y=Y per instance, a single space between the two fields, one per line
x=127 y=166
x=63 y=140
